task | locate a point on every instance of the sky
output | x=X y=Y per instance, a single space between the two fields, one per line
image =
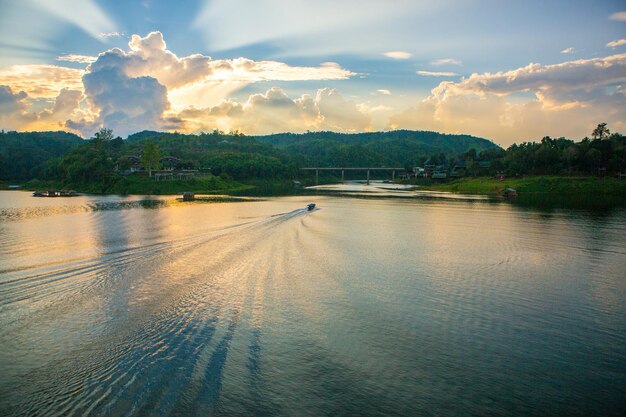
x=510 y=71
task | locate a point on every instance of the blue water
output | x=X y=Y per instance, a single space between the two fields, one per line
x=134 y=306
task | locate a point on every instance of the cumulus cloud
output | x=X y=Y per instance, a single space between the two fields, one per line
x=437 y=73
x=131 y=90
x=384 y=91
x=199 y=80
x=446 y=61
x=13 y=108
x=17 y=112
x=274 y=111
x=41 y=81
x=620 y=16
x=398 y=54
x=569 y=99
x=145 y=86
x=124 y=104
x=616 y=43
x=568 y=51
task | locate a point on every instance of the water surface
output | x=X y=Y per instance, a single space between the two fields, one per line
x=148 y=306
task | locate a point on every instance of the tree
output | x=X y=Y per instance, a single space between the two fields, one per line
x=104 y=135
x=150 y=156
x=601 y=132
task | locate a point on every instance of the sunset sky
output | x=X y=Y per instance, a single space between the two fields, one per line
x=510 y=71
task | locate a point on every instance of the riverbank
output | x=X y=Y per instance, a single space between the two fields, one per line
x=146 y=186
x=536 y=185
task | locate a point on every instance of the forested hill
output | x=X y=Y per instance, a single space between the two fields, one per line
x=24 y=155
x=398 y=147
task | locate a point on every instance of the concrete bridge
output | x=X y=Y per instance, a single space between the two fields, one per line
x=344 y=169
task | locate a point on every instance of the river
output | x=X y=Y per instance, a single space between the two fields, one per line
x=139 y=306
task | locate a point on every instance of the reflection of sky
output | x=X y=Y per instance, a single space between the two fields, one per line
x=241 y=305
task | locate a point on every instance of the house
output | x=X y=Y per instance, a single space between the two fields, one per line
x=169 y=163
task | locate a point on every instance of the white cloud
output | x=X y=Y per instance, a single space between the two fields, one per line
x=274 y=111
x=437 y=73
x=80 y=59
x=569 y=99
x=199 y=80
x=616 y=43
x=135 y=89
x=446 y=61
x=398 y=54
x=13 y=108
x=41 y=81
x=621 y=16
x=110 y=35
x=568 y=51
x=384 y=91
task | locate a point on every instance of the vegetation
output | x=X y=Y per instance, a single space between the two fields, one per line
x=225 y=161
x=535 y=185
x=25 y=155
x=603 y=155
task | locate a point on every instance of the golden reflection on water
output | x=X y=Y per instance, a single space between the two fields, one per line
x=126 y=306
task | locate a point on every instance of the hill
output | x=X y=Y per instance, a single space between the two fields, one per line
x=398 y=147
x=24 y=155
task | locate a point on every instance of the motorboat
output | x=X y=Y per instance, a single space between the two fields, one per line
x=310 y=206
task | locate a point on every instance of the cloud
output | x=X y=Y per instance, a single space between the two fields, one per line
x=199 y=80
x=85 y=14
x=80 y=59
x=398 y=54
x=569 y=99
x=437 y=73
x=273 y=111
x=620 y=16
x=446 y=61
x=17 y=112
x=110 y=35
x=568 y=51
x=41 y=81
x=124 y=104
x=384 y=91
x=13 y=108
x=303 y=27
x=616 y=43
x=145 y=86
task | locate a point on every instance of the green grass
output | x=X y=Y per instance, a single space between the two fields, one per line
x=535 y=185
x=135 y=184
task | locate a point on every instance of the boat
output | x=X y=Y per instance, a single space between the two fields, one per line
x=509 y=192
x=310 y=206
x=55 y=193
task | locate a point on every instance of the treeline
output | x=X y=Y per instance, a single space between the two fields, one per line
x=401 y=148
x=602 y=154
x=26 y=155
x=104 y=159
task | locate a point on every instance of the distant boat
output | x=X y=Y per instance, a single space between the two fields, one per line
x=55 y=193
x=310 y=206
x=509 y=192
x=188 y=196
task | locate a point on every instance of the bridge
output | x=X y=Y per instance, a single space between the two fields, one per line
x=344 y=169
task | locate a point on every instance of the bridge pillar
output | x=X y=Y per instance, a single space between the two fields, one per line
x=342 y=176
x=368 y=177
x=393 y=175
x=317 y=177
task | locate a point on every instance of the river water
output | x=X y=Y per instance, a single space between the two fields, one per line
x=115 y=306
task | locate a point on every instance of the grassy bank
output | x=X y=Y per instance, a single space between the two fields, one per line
x=535 y=185
x=144 y=185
